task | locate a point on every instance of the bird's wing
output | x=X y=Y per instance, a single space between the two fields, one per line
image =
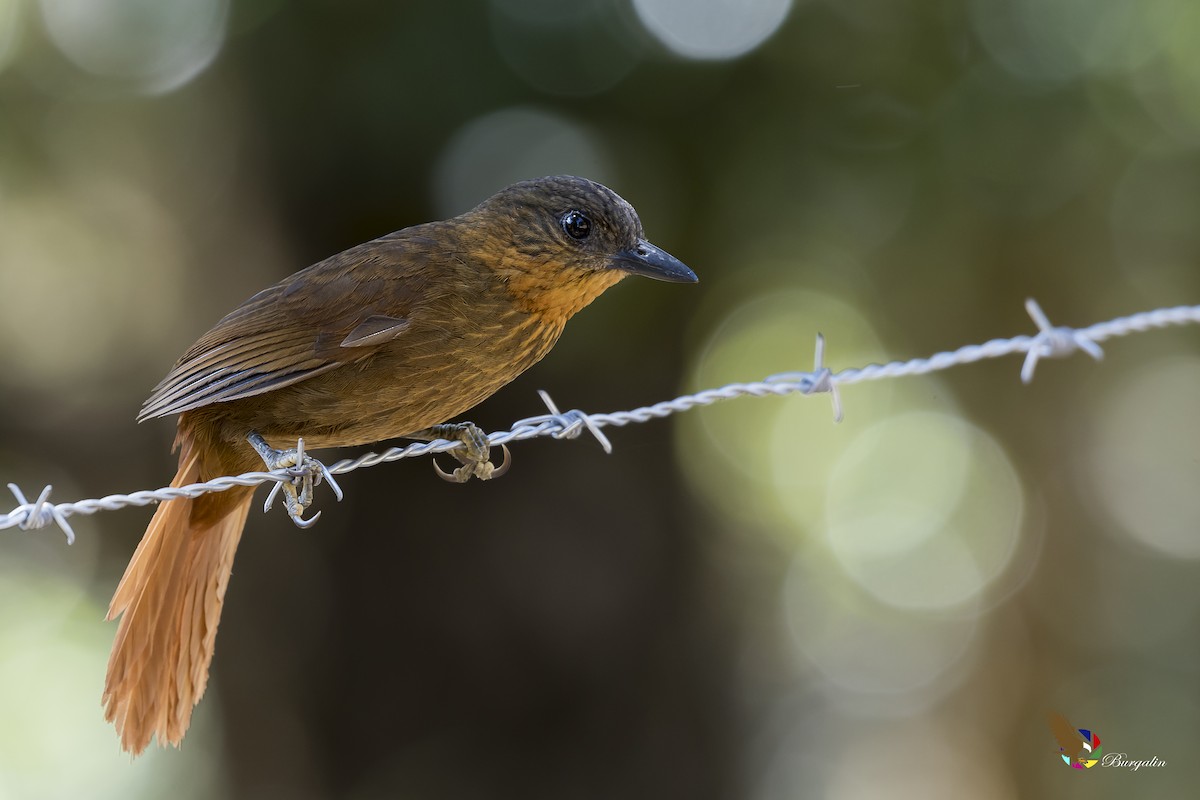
x=1069 y=740
x=336 y=312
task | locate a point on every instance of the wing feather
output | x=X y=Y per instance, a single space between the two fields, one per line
x=235 y=378
x=316 y=320
x=202 y=367
x=376 y=329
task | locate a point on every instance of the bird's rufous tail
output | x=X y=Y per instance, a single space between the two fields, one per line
x=170 y=603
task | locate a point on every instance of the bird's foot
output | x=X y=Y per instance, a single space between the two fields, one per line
x=305 y=471
x=475 y=456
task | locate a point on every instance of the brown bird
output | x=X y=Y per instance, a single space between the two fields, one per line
x=388 y=339
x=1070 y=742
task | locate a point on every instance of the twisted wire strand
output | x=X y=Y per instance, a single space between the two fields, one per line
x=1049 y=342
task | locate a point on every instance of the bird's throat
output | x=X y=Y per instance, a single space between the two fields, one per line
x=556 y=293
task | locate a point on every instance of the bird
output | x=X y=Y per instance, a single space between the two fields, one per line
x=1070 y=742
x=388 y=339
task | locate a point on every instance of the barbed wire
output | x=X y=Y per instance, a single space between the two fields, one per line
x=1049 y=342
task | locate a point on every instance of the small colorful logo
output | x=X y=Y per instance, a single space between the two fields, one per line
x=1079 y=748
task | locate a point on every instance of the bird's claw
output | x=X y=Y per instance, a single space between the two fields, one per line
x=305 y=471
x=475 y=456
x=484 y=470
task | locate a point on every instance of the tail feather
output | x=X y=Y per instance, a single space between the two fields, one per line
x=170 y=603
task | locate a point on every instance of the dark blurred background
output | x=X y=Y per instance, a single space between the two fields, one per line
x=744 y=602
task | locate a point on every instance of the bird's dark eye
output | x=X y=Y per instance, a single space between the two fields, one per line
x=576 y=224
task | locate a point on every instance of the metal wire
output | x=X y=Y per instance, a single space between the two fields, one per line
x=1049 y=342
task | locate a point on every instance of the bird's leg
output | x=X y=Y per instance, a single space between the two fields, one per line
x=475 y=457
x=306 y=472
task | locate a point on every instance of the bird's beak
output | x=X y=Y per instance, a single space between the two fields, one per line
x=646 y=259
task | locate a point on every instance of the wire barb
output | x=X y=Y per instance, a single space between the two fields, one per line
x=569 y=424
x=294 y=469
x=1049 y=342
x=1052 y=342
x=39 y=514
x=821 y=380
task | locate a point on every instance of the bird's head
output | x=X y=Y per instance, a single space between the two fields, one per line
x=558 y=242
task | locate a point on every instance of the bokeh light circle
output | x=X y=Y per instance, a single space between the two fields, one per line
x=54 y=650
x=924 y=511
x=919 y=761
x=1059 y=40
x=1142 y=461
x=712 y=29
x=510 y=145
x=574 y=49
x=153 y=46
x=896 y=484
x=873 y=657
x=767 y=465
x=112 y=227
